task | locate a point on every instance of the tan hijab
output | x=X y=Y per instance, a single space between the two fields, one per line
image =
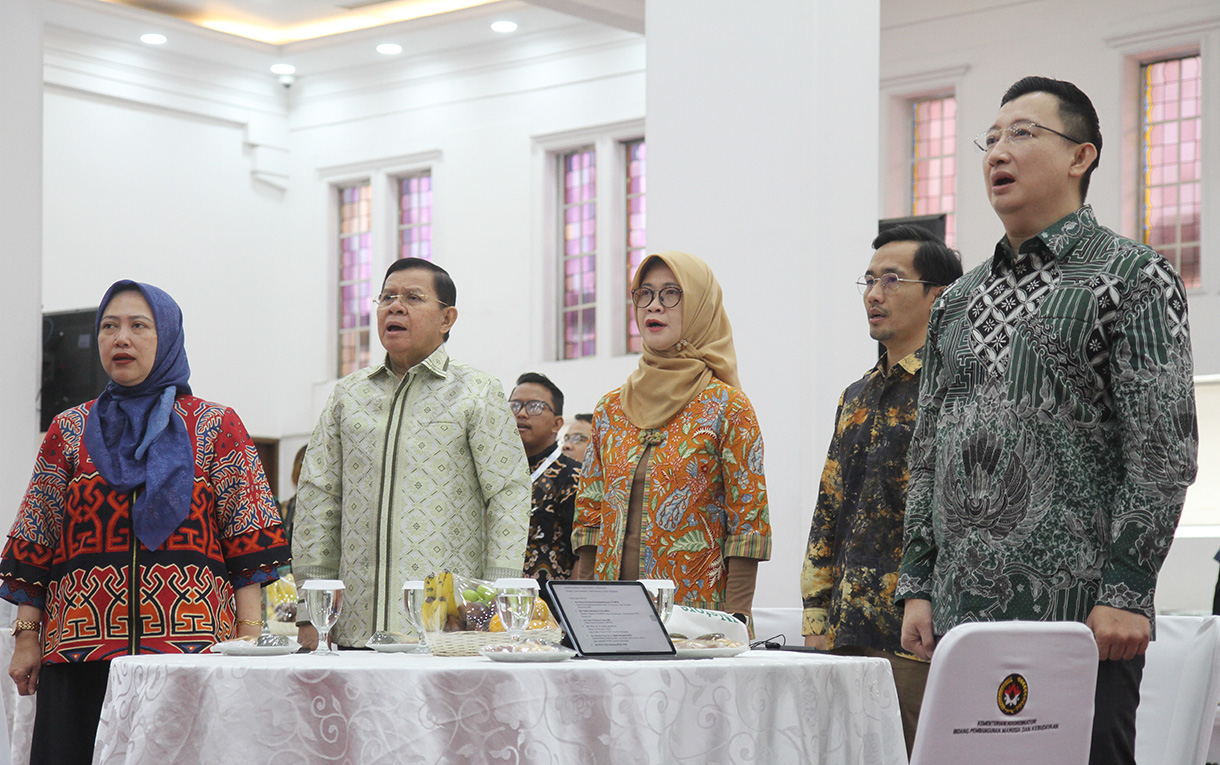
x=667 y=380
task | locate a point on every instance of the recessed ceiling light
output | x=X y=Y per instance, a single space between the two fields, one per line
x=153 y=38
x=283 y=69
x=504 y=27
x=389 y=49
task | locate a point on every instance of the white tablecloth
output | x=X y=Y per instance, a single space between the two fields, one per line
x=358 y=707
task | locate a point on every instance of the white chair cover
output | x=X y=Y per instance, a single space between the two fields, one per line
x=1009 y=692
x=1179 y=692
x=769 y=622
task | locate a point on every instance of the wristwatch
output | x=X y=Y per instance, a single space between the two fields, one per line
x=21 y=625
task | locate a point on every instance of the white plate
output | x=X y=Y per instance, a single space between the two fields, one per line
x=394 y=647
x=710 y=653
x=559 y=654
x=246 y=648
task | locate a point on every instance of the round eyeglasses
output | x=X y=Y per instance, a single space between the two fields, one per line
x=532 y=408
x=643 y=297
x=889 y=283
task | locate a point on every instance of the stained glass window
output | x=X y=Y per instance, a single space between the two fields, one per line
x=1171 y=162
x=355 y=260
x=934 y=159
x=415 y=216
x=578 y=245
x=635 y=155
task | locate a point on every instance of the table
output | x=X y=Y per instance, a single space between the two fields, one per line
x=360 y=707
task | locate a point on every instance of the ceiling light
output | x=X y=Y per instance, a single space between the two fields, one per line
x=153 y=38
x=283 y=69
x=504 y=27
x=389 y=49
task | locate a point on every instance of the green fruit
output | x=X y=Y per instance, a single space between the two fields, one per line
x=470 y=595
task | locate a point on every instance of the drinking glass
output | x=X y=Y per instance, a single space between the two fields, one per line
x=413 y=602
x=324 y=600
x=515 y=600
x=662 y=592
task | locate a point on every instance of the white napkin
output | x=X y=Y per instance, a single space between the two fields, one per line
x=694 y=622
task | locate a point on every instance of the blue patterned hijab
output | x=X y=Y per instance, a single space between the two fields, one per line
x=132 y=434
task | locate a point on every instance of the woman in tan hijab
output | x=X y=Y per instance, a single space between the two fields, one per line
x=672 y=485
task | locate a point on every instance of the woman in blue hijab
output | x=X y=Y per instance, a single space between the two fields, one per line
x=148 y=527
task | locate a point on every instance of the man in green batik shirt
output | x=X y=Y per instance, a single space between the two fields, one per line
x=415 y=465
x=1056 y=431
x=855 y=538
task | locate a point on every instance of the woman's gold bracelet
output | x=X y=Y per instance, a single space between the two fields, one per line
x=251 y=622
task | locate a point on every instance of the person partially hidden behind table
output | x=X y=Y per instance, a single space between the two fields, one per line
x=672 y=485
x=147 y=493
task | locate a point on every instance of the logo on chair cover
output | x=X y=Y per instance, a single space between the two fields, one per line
x=1012 y=695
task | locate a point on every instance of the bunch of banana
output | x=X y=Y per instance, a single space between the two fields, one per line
x=446 y=594
x=440 y=609
x=433 y=611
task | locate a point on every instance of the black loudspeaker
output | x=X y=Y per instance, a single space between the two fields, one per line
x=72 y=371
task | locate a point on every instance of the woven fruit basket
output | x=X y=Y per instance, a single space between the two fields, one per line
x=468 y=643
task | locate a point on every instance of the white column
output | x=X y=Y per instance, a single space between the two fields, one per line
x=21 y=222
x=762 y=159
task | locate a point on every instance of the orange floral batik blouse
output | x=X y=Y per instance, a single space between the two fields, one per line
x=705 y=497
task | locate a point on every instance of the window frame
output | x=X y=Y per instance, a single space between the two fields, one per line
x=1139 y=47
x=366 y=330
x=608 y=142
x=582 y=307
x=912 y=161
x=1142 y=188
x=897 y=94
x=383 y=175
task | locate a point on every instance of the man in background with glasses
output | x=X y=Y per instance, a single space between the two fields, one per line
x=537 y=403
x=1056 y=432
x=855 y=539
x=576 y=438
x=414 y=466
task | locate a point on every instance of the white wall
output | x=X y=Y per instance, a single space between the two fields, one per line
x=739 y=174
x=477 y=131
x=983 y=46
x=20 y=211
x=126 y=201
x=196 y=171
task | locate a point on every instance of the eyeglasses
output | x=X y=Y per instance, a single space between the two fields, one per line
x=575 y=438
x=1016 y=133
x=409 y=299
x=889 y=283
x=670 y=297
x=532 y=408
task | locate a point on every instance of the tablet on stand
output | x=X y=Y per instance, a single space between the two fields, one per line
x=610 y=620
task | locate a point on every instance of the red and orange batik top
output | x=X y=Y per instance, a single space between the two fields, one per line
x=73 y=554
x=705 y=496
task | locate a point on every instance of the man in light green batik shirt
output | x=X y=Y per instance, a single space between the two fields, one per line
x=415 y=465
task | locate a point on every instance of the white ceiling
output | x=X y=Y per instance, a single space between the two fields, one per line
x=287 y=21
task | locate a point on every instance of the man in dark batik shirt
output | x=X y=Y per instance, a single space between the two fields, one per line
x=537 y=403
x=855 y=542
x=1056 y=433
